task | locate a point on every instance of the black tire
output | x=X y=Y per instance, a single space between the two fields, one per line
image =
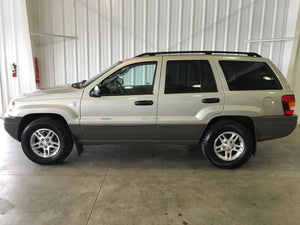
x=224 y=152
x=60 y=141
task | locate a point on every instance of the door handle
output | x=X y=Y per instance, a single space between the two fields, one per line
x=210 y=100
x=144 y=102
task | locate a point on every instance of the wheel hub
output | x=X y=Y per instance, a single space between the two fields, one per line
x=229 y=146
x=45 y=143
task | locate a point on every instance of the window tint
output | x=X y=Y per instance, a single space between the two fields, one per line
x=136 y=79
x=245 y=75
x=189 y=76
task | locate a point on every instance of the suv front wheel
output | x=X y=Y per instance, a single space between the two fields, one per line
x=46 y=141
x=227 y=144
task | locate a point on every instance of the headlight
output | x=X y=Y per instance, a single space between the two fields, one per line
x=11 y=106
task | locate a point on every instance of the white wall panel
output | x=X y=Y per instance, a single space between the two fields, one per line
x=140 y=25
x=162 y=28
x=70 y=44
x=105 y=34
x=197 y=25
x=81 y=24
x=44 y=48
x=93 y=36
x=14 y=48
x=241 y=30
x=222 y=19
x=172 y=15
x=185 y=32
x=9 y=44
x=116 y=30
x=109 y=31
x=234 y=33
x=151 y=24
x=209 y=25
x=59 y=60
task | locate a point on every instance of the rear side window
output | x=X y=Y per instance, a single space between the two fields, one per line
x=189 y=76
x=245 y=75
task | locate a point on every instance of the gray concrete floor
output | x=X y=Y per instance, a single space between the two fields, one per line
x=162 y=184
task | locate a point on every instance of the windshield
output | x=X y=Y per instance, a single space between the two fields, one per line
x=91 y=80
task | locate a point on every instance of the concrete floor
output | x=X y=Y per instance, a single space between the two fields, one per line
x=164 y=184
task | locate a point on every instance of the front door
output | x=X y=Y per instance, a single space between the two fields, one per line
x=126 y=109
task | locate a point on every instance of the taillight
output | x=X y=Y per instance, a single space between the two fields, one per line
x=288 y=104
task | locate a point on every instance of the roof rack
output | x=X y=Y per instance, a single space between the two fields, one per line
x=252 y=54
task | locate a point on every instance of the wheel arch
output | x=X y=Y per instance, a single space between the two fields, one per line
x=31 y=117
x=244 y=120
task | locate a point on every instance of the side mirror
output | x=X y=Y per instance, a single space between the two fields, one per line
x=96 y=91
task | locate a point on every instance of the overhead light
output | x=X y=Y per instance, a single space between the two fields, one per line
x=196 y=86
x=268 y=78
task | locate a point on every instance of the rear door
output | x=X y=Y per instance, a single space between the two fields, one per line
x=189 y=96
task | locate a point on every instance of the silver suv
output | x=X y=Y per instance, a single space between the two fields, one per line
x=224 y=101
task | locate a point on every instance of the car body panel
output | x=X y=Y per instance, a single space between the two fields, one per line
x=64 y=101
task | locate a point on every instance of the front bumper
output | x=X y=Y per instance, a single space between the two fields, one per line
x=271 y=127
x=11 y=125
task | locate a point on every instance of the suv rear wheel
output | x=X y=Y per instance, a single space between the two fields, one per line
x=227 y=144
x=46 y=141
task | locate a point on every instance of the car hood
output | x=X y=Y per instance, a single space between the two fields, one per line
x=52 y=93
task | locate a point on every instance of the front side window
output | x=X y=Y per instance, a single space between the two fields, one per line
x=136 y=79
x=189 y=76
x=247 y=75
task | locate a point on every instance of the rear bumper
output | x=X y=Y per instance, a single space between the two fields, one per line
x=271 y=127
x=11 y=125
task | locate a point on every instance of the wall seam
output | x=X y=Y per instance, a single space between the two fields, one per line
x=16 y=47
x=192 y=25
x=263 y=12
x=168 y=24
x=50 y=8
x=76 y=41
x=203 y=24
x=238 y=27
x=250 y=25
x=215 y=25
x=64 y=33
x=145 y=26
x=226 y=26
x=156 y=26
x=87 y=40
x=180 y=26
x=6 y=95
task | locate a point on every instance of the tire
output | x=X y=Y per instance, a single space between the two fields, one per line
x=227 y=144
x=46 y=141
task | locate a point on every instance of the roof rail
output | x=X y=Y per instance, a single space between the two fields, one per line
x=252 y=54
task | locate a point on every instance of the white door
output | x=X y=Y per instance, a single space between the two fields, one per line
x=126 y=109
x=189 y=96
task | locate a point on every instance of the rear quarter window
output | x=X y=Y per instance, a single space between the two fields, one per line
x=247 y=75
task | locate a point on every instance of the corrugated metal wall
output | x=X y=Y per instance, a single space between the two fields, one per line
x=14 y=48
x=107 y=31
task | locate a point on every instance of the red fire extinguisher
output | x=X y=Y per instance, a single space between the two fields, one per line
x=37 y=74
x=14 y=70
